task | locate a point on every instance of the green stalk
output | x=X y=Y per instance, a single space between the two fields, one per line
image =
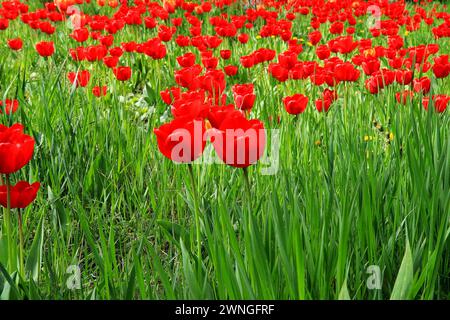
x=197 y=216
x=21 y=246
x=8 y=224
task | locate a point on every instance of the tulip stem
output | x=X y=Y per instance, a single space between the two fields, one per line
x=197 y=215
x=21 y=265
x=8 y=224
x=247 y=187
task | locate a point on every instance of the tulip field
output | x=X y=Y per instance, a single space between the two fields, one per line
x=224 y=149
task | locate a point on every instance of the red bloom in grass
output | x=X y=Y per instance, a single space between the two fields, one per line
x=323 y=52
x=404 y=96
x=80 y=79
x=243 y=38
x=99 y=91
x=278 y=72
x=370 y=65
x=247 y=61
x=45 y=48
x=225 y=54
x=336 y=27
x=346 y=72
x=21 y=195
x=315 y=37
x=11 y=106
x=343 y=44
x=239 y=142
x=328 y=97
x=129 y=46
x=171 y=94
x=230 y=70
x=210 y=62
x=80 y=35
x=122 y=73
x=403 y=76
x=150 y=22
x=188 y=77
x=295 y=104
x=16 y=148
x=243 y=95
x=422 y=85
x=218 y=114
x=181 y=141
x=15 y=44
x=322 y=105
x=190 y=105
x=440 y=102
x=111 y=61
x=183 y=41
x=186 y=60
x=165 y=33
x=441 y=67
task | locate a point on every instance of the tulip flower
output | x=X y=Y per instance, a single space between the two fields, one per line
x=295 y=104
x=45 y=48
x=244 y=96
x=239 y=142
x=181 y=141
x=16 y=148
x=122 y=73
x=21 y=195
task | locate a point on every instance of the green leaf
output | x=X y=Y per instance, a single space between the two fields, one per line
x=405 y=276
x=34 y=259
x=343 y=294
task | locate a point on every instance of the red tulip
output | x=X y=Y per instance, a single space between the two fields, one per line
x=404 y=96
x=122 y=73
x=11 y=106
x=181 y=141
x=230 y=70
x=99 y=91
x=15 y=44
x=187 y=60
x=440 y=102
x=422 y=85
x=80 y=79
x=244 y=96
x=295 y=104
x=239 y=142
x=45 y=48
x=315 y=37
x=21 y=195
x=225 y=54
x=323 y=52
x=80 y=35
x=16 y=148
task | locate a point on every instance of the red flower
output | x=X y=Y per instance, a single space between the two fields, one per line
x=244 y=96
x=230 y=70
x=21 y=195
x=346 y=72
x=111 y=61
x=80 y=79
x=441 y=67
x=243 y=38
x=440 y=102
x=295 y=104
x=181 y=141
x=225 y=54
x=247 y=61
x=80 y=35
x=15 y=44
x=422 y=85
x=11 y=106
x=16 y=148
x=45 y=48
x=315 y=37
x=323 y=52
x=99 y=91
x=336 y=27
x=404 y=96
x=239 y=142
x=122 y=73
x=187 y=60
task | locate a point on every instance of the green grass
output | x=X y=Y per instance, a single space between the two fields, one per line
x=112 y=204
